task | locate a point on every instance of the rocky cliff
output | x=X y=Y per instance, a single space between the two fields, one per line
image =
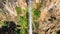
x=49 y=20
x=50 y=17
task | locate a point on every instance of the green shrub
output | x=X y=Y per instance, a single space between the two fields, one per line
x=36 y=13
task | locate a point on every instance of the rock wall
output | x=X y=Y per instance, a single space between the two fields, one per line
x=50 y=17
x=49 y=21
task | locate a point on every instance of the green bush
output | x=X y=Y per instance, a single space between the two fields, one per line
x=36 y=13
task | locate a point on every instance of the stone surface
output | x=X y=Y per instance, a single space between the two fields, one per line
x=50 y=16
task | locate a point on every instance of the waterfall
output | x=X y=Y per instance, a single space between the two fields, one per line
x=30 y=16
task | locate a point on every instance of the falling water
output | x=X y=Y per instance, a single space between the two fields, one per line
x=30 y=16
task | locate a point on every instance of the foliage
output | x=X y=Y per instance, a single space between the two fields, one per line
x=18 y=9
x=23 y=24
x=4 y=24
x=36 y=13
x=22 y=21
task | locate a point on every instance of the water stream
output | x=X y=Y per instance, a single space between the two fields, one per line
x=30 y=16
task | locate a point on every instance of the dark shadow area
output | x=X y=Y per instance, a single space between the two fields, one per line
x=35 y=33
x=9 y=29
x=58 y=32
x=52 y=18
x=27 y=1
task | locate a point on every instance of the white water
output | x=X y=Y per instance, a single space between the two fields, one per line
x=30 y=16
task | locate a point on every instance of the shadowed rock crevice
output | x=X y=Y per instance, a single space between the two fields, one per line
x=10 y=28
x=50 y=16
x=58 y=32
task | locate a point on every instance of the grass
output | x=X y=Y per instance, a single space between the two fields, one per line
x=22 y=21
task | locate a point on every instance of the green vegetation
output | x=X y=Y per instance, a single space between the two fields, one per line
x=36 y=13
x=18 y=9
x=22 y=21
x=23 y=24
x=4 y=24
